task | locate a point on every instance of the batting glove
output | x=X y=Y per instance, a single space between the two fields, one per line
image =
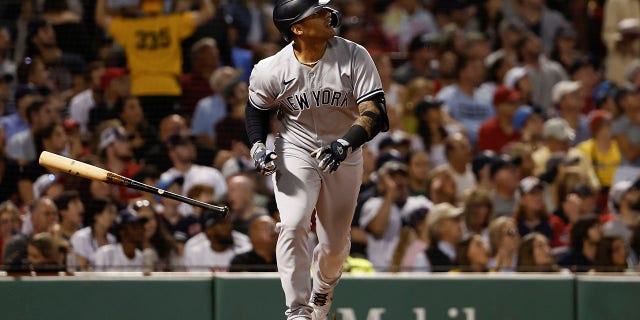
x=263 y=158
x=331 y=155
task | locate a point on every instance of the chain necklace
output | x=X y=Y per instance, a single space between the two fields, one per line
x=310 y=64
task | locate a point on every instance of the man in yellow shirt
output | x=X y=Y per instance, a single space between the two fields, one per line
x=152 y=44
x=601 y=150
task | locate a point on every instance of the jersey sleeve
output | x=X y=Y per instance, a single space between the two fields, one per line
x=262 y=92
x=366 y=79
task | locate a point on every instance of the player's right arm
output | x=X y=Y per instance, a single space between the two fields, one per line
x=257 y=115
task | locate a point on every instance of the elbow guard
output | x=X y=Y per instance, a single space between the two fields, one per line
x=380 y=120
x=357 y=135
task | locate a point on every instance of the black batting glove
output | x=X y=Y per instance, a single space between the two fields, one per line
x=332 y=155
x=263 y=158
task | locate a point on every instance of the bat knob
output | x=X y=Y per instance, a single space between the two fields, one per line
x=225 y=211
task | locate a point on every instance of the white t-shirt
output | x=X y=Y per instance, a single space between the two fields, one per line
x=198 y=174
x=79 y=108
x=201 y=257
x=464 y=182
x=85 y=245
x=380 y=251
x=112 y=258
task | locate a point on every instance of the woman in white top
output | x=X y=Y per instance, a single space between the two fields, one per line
x=98 y=218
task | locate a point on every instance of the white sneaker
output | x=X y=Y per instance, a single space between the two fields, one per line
x=321 y=303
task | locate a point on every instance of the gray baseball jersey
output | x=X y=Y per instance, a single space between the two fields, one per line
x=316 y=106
x=319 y=104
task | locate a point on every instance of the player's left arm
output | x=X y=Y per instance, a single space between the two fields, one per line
x=367 y=88
x=373 y=119
x=373 y=116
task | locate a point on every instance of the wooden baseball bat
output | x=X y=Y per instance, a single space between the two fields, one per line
x=85 y=170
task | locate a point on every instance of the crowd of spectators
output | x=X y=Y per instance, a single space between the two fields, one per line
x=514 y=141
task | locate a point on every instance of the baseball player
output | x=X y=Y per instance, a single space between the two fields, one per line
x=329 y=100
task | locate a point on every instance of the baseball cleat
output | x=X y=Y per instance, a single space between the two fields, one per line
x=321 y=303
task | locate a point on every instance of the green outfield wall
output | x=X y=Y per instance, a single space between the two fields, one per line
x=608 y=297
x=370 y=297
x=105 y=298
x=411 y=297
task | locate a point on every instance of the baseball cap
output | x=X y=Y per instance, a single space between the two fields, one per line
x=521 y=116
x=43 y=183
x=481 y=159
x=427 y=103
x=389 y=155
x=629 y=26
x=504 y=95
x=23 y=90
x=425 y=41
x=528 y=184
x=396 y=138
x=562 y=88
x=392 y=166
x=110 y=135
x=558 y=128
x=602 y=91
x=128 y=216
x=617 y=191
x=441 y=212
x=111 y=74
x=513 y=75
x=500 y=162
x=415 y=217
x=597 y=118
x=210 y=218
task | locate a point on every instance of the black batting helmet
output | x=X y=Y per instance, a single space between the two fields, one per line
x=288 y=12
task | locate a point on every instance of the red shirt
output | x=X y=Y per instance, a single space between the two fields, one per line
x=561 y=232
x=194 y=88
x=492 y=137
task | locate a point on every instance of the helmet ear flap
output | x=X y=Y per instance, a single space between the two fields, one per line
x=336 y=17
